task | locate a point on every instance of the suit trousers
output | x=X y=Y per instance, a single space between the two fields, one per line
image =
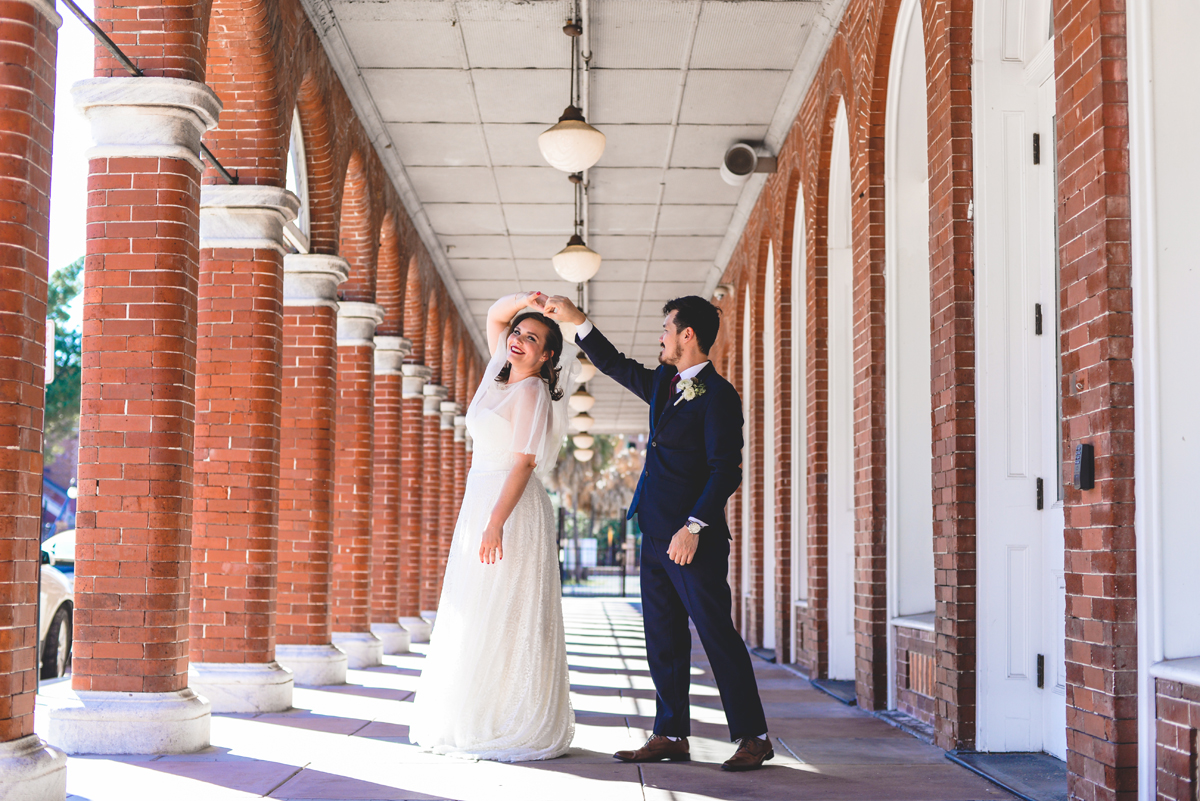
x=671 y=594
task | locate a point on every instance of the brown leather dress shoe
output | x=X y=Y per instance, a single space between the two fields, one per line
x=656 y=749
x=751 y=754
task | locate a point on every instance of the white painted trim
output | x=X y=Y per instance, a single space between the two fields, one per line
x=324 y=22
x=1185 y=671
x=925 y=622
x=1147 y=465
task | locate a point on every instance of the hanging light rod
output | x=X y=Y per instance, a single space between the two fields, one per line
x=135 y=71
x=572 y=145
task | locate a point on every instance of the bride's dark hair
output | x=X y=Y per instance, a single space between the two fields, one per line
x=550 y=373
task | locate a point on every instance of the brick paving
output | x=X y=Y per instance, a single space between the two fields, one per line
x=351 y=743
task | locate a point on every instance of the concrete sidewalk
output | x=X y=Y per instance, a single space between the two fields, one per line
x=350 y=743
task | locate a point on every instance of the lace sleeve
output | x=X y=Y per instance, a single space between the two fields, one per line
x=531 y=420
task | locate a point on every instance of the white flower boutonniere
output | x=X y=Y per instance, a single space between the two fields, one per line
x=689 y=389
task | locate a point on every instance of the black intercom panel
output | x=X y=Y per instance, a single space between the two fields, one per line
x=1085 y=467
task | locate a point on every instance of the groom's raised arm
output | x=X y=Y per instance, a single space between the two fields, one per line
x=629 y=373
x=723 y=451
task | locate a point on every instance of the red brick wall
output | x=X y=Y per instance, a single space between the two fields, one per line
x=385 y=514
x=1177 y=708
x=1096 y=340
x=310 y=361
x=411 y=477
x=353 y=484
x=165 y=38
x=238 y=397
x=27 y=97
x=431 y=516
x=915 y=657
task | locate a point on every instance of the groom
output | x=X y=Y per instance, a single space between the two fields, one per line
x=693 y=465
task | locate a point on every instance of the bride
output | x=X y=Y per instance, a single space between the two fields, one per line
x=494 y=684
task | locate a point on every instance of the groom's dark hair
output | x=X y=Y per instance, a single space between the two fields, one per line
x=697 y=314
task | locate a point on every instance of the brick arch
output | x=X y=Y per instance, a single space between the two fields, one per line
x=450 y=348
x=356 y=235
x=462 y=370
x=312 y=107
x=414 y=311
x=433 y=337
x=390 y=281
x=251 y=140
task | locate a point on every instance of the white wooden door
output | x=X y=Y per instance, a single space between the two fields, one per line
x=769 y=460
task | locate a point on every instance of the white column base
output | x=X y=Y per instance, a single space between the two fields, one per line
x=430 y=615
x=313 y=665
x=242 y=687
x=30 y=770
x=418 y=628
x=394 y=638
x=92 y=722
x=363 y=649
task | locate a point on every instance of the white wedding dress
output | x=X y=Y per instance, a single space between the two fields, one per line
x=494 y=684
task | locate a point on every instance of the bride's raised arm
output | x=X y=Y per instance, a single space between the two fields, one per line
x=505 y=309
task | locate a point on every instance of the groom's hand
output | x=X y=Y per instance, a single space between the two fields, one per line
x=683 y=546
x=562 y=309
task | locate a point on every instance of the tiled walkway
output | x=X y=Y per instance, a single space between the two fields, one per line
x=350 y=742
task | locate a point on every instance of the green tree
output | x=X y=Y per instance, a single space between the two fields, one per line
x=62 y=394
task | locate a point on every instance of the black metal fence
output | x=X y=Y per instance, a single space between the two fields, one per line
x=598 y=557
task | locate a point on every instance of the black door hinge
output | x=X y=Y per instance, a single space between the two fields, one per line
x=1037 y=148
x=1041 y=671
x=1041 y=494
x=1037 y=319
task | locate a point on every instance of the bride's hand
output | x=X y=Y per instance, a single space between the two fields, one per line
x=491 y=550
x=532 y=299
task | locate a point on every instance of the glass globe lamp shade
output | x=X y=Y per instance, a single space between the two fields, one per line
x=571 y=145
x=582 y=422
x=587 y=370
x=576 y=262
x=583 y=440
x=581 y=400
x=584 y=454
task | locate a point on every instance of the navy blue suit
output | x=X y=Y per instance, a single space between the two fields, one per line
x=693 y=465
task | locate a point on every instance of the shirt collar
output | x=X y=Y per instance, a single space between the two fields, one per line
x=692 y=371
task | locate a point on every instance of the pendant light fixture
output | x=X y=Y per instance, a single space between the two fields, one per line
x=581 y=400
x=583 y=440
x=584 y=454
x=572 y=145
x=582 y=422
x=587 y=370
x=577 y=262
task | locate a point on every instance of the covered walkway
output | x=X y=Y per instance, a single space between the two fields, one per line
x=350 y=742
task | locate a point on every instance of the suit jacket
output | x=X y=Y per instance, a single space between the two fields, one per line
x=694 y=457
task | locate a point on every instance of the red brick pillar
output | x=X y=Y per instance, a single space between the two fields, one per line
x=353 y=484
x=412 y=475
x=431 y=501
x=449 y=509
x=303 y=626
x=238 y=404
x=29 y=32
x=134 y=524
x=385 y=515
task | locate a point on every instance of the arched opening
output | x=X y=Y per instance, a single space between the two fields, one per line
x=296 y=181
x=1019 y=472
x=414 y=312
x=768 y=332
x=356 y=235
x=799 y=517
x=389 y=284
x=840 y=610
x=908 y=370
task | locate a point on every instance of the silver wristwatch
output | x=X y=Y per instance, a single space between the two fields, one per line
x=694 y=527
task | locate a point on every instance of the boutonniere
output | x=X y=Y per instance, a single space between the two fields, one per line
x=689 y=389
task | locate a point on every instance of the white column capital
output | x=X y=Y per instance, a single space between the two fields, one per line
x=460 y=428
x=311 y=279
x=449 y=410
x=31 y=769
x=415 y=378
x=470 y=443
x=434 y=395
x=390 y=353
x=357 y=323
x=46 y=9
x=147 y=117
x=245 y=216
x=112 y=722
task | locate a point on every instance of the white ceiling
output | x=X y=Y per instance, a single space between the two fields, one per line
x=461 y=90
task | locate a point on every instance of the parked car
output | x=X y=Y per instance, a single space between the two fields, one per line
x=57 y=607
x=61 y=548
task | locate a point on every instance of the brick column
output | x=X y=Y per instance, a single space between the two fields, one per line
x=303 y=627
x=238 y=404
x=385 y=515
x=353 y=484
x=412 y=476
x=449 y=508
x=29 y=31
x=134 y=524
x=431 y=500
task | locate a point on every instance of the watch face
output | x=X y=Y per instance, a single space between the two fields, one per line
x=694 y=528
